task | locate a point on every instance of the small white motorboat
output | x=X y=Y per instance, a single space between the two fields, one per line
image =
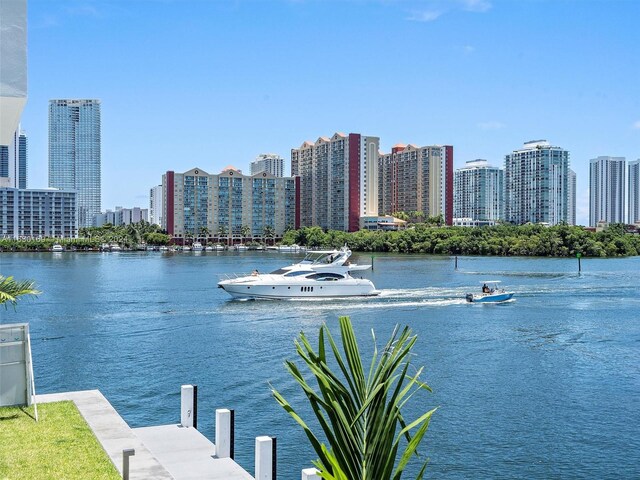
x=321 y=274
x=490 y=293
x=57 y=248
x=197 y=247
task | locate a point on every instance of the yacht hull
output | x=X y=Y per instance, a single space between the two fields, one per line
x=354 y=288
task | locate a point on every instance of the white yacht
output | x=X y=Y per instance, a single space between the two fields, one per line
x=57 y=248
x=291 y=248
x=197 y=247
x=321 y=274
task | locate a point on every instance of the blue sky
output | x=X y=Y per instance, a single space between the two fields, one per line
x=209 y=83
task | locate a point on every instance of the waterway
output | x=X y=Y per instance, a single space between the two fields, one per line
x=546 y=386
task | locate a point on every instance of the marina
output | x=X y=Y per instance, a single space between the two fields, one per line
x=137 y=325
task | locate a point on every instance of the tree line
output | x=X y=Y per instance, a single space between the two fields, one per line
x=505 y=240
x=92 y=238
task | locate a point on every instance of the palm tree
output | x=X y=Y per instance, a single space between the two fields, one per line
x=360 y=418
x=245 y=231
x=11 y=289
x=204 y=231
x=222 y=232
x=268 y=232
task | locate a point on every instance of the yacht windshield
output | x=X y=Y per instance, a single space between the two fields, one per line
x=298 y=273
x=279 y=271
x=316 y=258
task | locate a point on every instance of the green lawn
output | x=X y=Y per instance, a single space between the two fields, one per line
x=60 y=446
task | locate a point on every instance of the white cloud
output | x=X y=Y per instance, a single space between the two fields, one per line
x=425 y=15
x=491 y=125
x=468 y=49
x=84 y=10
x=476 y=5
x=636 y=125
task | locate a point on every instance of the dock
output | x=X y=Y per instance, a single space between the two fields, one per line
x=162 y=452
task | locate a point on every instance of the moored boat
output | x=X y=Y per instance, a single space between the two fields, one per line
x=57 y=248
x=291 y=248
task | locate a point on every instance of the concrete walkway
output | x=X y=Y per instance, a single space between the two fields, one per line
x=165 y=452
x=188 y=455
x=112 y=432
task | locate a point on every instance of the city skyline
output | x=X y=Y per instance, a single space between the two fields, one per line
x=220 y=81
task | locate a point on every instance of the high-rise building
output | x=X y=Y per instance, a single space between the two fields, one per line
x=536 y=184
x=571 y=208
x=228 y=205
x=121 y=216
x=268 y=162
x=634 y=192
x=607 y=184
x=13 y=67
x=338 y=180
x=74 y=153
x=38 y=213
x=155 y=205
x=13 y=161
x=417 y=179
x=479 y=192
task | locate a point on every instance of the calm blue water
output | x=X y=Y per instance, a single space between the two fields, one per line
x=545 y=387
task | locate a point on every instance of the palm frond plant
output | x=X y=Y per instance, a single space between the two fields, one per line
x=11 y=289
x=360 y=416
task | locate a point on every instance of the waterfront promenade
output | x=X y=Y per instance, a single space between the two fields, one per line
x=161 y=452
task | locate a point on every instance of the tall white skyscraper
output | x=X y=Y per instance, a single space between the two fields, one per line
x=634 y=192
x=607 y=184
x=13 y=91
x=478 y=192
x=536 y=184
x=156 y=205
x=75 y=153
x=268 y=162
x=13 y=66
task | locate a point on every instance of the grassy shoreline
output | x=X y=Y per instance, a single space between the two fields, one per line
x=59 y=445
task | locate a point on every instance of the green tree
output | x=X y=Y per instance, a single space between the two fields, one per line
x=11 y=289
x=401 y=215
x=204 y=233
x=360 y=416
x=223 y=233
x=269 y=232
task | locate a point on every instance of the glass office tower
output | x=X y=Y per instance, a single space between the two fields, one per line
x=74 y=153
